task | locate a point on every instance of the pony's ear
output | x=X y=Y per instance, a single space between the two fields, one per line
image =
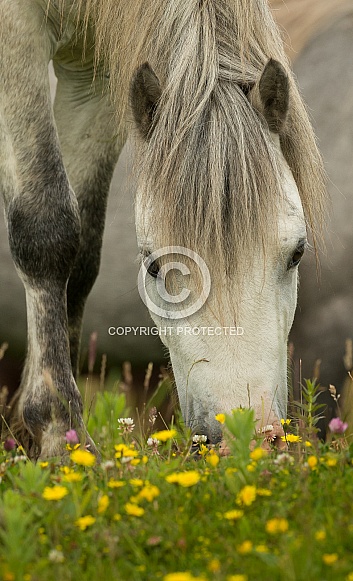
x=271 y=95
x=145 y=92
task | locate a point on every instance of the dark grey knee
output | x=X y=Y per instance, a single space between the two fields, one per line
x=44 y=234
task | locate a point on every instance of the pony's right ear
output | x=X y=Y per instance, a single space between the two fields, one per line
x=145 y=92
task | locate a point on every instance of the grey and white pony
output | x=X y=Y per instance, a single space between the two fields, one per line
x=226 y=165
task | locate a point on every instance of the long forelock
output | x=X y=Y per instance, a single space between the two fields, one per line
x=209 y=172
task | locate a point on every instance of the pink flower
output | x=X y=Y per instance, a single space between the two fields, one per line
x=9 y=444
x=72 y=437
x=336 y=426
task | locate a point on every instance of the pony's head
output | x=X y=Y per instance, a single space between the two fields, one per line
x=232 y=351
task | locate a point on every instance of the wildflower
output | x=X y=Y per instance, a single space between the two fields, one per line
x=214 y=566
x=234 y=514
x=116 y=483
x=277 y=525
x=283 y=458
x=43 y=464
x=83 y=458
x=212 y=459
x=203 y=450
x=329 y=558
x=263 y=492
x=9 y=444
x=126 y=425
x=56 y=556
x=247 y=495
x=185 y=479
x=125 y=453
x=103 y=503
x=153 y=442
x=85 y=521
x=320 y=535
x=336 y=426
x=179 y=577
x=312 y=462
x=149 y=492
x=54 y=492
x=72 y=477
x=331 y=461
x=117 y=517
x=285 y=422
x=199 y=439
x=164 y=435
x=261 y=549
x=107 y=465
x=258 y=454
x=245 y=547
x=349 y=577
x=291 y=438
x=71 y=437
x=221 y=418
x=308 y=444
x=237 y=578
x=134 y=510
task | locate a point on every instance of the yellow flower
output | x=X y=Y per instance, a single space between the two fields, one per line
x=233 y=514
x=320 y=535
x=349 y=577
x=291 y=438
x=308 y=444
x=237 y=578
x=331 y=461
x=103 y=503
x=263 y=492
x=164 y=435
x=116 y=483
x=85 y=521
x=247 y=495
x=212 y=459
x=83 y=458
x=123 y=451
x=312 y=462
x=179 y=577
x=43 y=464
x=148 y=492
x=214 y=566
x=277 y=525
x=185 y=479
x=261 y=549
x=221 y=418
x=136 y=482
x=54 y=492
x=285 y=422
x=329 y=558
x=257 y=454
x=245 y=547
x=133 y=509
x=72 y=477
x=117 y=517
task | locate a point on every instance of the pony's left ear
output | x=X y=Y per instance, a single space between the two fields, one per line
x=145 y=92
x=271 y=95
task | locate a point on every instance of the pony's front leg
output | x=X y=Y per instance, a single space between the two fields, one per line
x=43 y=225
x=90 y=146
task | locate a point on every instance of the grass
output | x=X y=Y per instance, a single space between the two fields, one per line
x=176 y=511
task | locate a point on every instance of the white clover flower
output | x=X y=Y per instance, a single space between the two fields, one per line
x=126 y=425
x=153 y=442
x=284 y=458
x=107 y=465
x=56 y=556
x=199 y=439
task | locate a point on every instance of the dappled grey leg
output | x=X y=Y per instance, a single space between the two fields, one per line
x=43 y=225
x=90 y=147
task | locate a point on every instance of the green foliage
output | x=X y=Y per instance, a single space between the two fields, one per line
x=150 y=510
x=310 y=409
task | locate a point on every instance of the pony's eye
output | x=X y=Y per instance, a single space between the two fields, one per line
x=153 y=269
x=296 y=256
